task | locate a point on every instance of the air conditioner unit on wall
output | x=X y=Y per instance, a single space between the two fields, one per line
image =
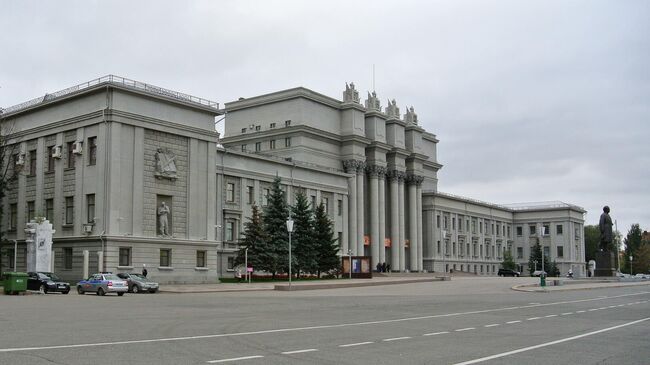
x=56 y=152
x=77 y=147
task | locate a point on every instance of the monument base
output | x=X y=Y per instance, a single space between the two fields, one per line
x=605 y=264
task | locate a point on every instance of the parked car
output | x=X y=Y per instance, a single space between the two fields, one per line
x=508 y=272
x=539 y=272
x=102 y=284
x=642 y=276
x=138 y=283
x=46 y=282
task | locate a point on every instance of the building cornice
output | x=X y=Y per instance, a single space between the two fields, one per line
x=288 y=94
x=429 y=137
x=395 y=121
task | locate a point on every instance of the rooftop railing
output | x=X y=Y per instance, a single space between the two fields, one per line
x=114 y=80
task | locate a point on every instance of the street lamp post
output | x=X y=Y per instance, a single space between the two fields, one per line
x=535 y=262
x=350 y=270
x=246 y=264
x=631 y=265
x=290 y=230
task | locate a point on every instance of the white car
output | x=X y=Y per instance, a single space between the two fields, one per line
x=642 y=276
x=539 y=272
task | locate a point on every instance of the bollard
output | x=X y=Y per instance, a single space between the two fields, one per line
x=542 y=280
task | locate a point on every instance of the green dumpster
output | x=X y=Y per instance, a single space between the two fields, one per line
x=15 y=282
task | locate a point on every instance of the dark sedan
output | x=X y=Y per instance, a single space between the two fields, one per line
x=46 y=282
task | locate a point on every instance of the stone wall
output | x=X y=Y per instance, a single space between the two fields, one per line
x=153 y=186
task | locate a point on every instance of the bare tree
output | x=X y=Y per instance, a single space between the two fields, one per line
x=9 y=147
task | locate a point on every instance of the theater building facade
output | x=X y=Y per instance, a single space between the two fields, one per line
x=132 y=174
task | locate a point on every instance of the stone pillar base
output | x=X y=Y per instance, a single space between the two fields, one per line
x=605 y=264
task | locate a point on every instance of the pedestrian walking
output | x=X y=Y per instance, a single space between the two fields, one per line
x=144 y=270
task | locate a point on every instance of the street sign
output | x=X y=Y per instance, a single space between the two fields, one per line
x=249 y=269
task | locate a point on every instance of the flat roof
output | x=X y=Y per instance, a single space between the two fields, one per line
x=116 y=81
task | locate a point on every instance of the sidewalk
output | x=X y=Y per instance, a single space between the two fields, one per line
x=295 y=286
x=578 y=284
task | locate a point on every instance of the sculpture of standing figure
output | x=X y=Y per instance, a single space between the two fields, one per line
x=605 y=226
x=163 y=222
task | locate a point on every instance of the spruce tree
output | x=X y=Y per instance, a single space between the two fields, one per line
x=508 y=261
x=253 y=239
x=536 y=255
x=274 y=221
x=327 y=247
x=303 y=244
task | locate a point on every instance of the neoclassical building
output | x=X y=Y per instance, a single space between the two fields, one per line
x=132 y=174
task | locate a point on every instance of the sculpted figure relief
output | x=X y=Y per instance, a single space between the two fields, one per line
x=605 y=226
x=165 y=164
x=163 y=222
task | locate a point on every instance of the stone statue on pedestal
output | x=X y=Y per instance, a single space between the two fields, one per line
x=605 y=258
x=605 y=226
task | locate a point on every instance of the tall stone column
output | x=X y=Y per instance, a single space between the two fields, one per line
x=382 y=215
x=360 y=207
x=413 y=224
x=373 y=175
x=350 y=166
x=418 y=194
x=402 y=232
x=394 y=220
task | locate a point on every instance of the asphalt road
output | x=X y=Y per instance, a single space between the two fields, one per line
x=473 y=320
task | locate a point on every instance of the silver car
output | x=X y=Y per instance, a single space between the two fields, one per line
x=101 y=284
x=138 y=283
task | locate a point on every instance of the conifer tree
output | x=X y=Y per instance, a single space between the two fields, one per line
x=536 y=255
x=508 y=261
x=253 y=239
x=302 y=239
x=327 y=247
x=274 y=222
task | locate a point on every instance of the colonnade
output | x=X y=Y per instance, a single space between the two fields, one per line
x=399 y=227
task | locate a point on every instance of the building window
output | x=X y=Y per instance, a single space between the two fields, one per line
x=243 y=148
x=258 y=127
x=258 y=146
x=49 y=210
x=498 y=230
x=92 y=151
x=577 y=232
x=520 y=231
x=70 y=159
x=326 y=205
x=125 y=256
x=272 y=125
x=13 y=217
x=460 y=224
x=560 y=251
x=250 y=194
x=90 y=208
x=559 y=229
x=230 y=230
x=272 y=144
x=480 y=228
x=287 y=142
x=532 y=229
x=547 y=252
x=231 y=263
x=165 y=257
x=31 y=207
x=69 y=210
x=509 y=231
x=230 y=192
x=243 y=130
x=520 y=252
x=339 y=207
x=50 y=159
x=453 y=223
x=32 y=162
x=546 y=229
x=200 y=259
x=437 y=221
x=313 y=202
x=10 y=256
x=67 y=258
x=438 y=247
x=287 y=123
x=265 y=197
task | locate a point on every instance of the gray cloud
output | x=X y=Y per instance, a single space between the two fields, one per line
x=535 y=100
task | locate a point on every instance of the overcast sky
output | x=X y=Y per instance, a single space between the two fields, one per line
x=531 y=100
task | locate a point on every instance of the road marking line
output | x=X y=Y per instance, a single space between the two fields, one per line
x=592 y=309
x=503 y=354
x=465 y=329
x=612 y=306
x=296 y=329
x=356 y=344
x=298 y=351
x=566 y=314
x=396 y=339
x=621 y=305
x=235 y=359
x=511 y=322
x=534 y=303
x=532 y=318
x=602 y=308
x=550 y=315
x=630 y=303
x=580 y=311
x=435 y=333
x=492 y=325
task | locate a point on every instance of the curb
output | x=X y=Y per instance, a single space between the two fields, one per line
x=538 y=289
x=285 y=287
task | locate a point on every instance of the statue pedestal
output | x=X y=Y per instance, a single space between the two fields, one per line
x=605 y=264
